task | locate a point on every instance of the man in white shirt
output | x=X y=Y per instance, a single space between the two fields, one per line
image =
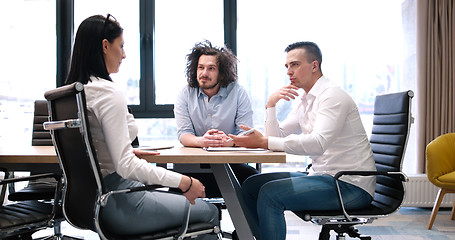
x=326 y=126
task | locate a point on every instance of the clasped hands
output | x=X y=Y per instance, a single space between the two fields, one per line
x=215 y=138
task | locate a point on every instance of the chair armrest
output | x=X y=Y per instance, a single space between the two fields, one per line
x=145 y=188
x=339 y=174
x=402 y=176
x=55 y=125
x=105 y=197
x=183 y=229
x=28 y=178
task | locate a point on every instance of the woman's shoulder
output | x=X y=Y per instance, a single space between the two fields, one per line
x=102 y=90
x=102 y=85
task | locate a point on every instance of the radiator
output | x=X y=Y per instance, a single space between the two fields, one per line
x=421 y=193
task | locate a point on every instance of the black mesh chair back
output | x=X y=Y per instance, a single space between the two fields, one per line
x=391 y=123
x=74 y=150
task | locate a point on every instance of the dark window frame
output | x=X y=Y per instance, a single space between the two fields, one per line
x=147 y=107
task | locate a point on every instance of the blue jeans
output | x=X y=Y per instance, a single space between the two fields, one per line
x=268 y=195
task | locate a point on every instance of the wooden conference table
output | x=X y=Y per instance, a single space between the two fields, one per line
x=44 y=158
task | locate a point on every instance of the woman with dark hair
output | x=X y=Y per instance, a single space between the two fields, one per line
x=98 y=52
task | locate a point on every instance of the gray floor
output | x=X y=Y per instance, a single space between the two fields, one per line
x=406 y=224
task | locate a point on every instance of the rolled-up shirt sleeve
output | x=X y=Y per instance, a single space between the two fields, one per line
x=327 y=119
x=182 y=114
x=244 y=114
x=276 y=132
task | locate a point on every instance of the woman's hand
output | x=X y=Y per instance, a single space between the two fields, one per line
x=140 y=152
x=192 y=188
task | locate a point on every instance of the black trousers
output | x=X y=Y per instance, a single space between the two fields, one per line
x=241 y=170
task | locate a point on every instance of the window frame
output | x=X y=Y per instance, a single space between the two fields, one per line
x=147 y=107
x=64 y=38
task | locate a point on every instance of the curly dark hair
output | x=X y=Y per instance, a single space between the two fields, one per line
x=227 y=63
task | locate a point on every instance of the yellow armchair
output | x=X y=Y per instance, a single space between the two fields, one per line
x=440 y=165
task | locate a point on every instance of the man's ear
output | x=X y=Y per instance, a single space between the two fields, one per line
x=315 y=66
x=105 y=45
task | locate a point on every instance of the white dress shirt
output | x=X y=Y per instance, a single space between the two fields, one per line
x=113 y=129
x=326 y=126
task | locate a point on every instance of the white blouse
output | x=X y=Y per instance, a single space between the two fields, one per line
x=113 y=129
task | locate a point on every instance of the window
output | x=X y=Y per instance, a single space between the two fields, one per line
x=157 y=39
x=368 y=48
x=128 y=17
x=362 y=42
x=28 y=64
x=177 y=29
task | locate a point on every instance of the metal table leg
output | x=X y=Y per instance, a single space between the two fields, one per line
x=231 y=192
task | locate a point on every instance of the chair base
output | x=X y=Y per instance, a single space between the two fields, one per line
x=341 y=230
x=57 y=233
x=55 y=237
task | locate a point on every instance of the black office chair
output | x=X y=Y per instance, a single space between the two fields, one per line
x=391 y=124
x=84 y=197
x=40 y=188
x=19 y=220
x=40 y=136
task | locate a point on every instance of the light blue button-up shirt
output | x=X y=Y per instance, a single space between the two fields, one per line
x=225 y=111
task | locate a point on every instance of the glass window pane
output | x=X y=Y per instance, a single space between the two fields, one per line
x=364 y=45
x=154 y=131
x=127 y=14
x=28 y=64
x=177 y=29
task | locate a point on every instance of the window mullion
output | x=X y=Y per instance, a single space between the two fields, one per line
x=65 y=33
x=230 y=24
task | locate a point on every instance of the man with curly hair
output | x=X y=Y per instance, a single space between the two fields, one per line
x=212 y=106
